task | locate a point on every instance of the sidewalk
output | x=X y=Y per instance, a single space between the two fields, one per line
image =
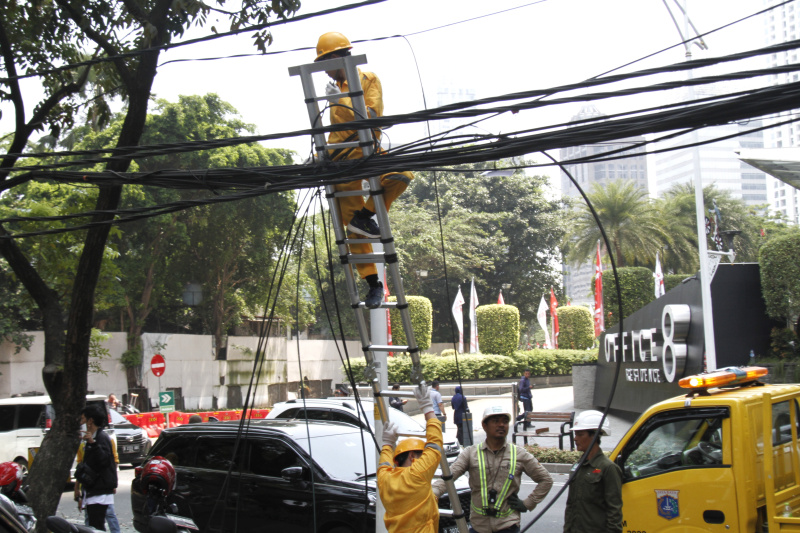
x=544 y=399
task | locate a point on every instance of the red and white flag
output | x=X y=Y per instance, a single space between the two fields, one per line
x=474 y=347
x=554 y=315
x=599 y=317
x=500 y=300
x=458 y=315
x=541 y=316
x=660 y=291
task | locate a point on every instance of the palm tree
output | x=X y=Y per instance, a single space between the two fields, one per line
x=634 y=227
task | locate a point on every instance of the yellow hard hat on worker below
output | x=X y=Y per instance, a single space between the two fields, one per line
x=331 y=42
x=408 y=445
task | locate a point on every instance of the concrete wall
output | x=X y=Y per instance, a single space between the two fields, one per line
x=203 y=383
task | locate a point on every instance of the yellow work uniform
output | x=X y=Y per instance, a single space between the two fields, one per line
x=393 y=183
x=406 y=492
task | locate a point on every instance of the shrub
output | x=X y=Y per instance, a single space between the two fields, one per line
x=784 y=343
x=421 y=312
x=637 y=287
x=780 y=277
x=481 y=366
x=545 y=454
x=673 y=280
x=575 y=327
x=498 y=327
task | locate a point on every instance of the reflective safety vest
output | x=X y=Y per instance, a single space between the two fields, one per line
x=501 y=496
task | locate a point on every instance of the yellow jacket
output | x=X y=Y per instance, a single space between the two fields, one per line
x=343 y=112
x=406 y=492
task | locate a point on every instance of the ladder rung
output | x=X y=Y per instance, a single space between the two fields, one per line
x=384 y=305
x=362 y=240
x=336 y=146
x=386 y=348
x=396 y=393
x=446 y=512
x=360 y=192
x=377 y=257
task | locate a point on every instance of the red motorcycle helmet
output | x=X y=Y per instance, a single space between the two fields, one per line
x=11 y=478
x=158 y=473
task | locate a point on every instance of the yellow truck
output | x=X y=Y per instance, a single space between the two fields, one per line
x=723 y=457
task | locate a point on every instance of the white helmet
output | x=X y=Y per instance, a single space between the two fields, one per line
x=496 y=410
x=590 y=420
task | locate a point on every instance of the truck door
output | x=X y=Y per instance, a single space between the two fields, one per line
x=677 y=473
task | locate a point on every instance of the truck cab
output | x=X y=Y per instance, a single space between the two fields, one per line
x=723 y=457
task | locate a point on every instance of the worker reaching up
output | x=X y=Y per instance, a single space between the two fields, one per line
x=405 y=473
x=357 y=214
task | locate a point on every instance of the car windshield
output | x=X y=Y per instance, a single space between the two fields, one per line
x=341 y=456
x=117 y=418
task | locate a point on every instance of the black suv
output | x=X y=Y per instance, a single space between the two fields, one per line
x=273 y=479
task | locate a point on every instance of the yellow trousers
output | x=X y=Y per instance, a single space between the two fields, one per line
x=393 y=186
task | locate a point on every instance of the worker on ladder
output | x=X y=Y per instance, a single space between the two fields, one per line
x=356 y=213
x=404 y=484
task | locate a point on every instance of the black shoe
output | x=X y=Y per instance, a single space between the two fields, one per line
x=364 y=226
x=374 y=297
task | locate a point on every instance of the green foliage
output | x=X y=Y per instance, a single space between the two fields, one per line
x=673 y=280
x=97 y=352
x=784 y=343
x=498 y=230
x=482 y=366
x=421 y=314
x=780 y=277
x=499 y=328
x=546 y=454
x=636 y=284
x=575 y=327
x=132 y=358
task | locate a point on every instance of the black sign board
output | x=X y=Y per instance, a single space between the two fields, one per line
x=663 y=341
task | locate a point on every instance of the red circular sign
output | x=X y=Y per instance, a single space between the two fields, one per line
x=158 y=365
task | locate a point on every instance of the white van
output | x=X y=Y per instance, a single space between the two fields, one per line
x=24 y=421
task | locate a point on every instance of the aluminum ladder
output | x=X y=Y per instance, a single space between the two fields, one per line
x=388 y=256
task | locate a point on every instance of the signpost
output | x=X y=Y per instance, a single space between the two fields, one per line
x=158 y=365
x=166 y=401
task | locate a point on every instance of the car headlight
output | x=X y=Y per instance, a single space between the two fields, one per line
x=373 y=498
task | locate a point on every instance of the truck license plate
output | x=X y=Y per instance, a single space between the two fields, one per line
x=130 y=449
x=450 y=529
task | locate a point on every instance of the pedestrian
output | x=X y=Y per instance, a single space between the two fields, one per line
x=405 y=472
x=495 y=469
x=459 y=404
x=357 y=214
x=524 y=391
x=195 y=419
x=594 y=502
x=111 y=515
x=97 y=473
x=395 y=402
x=438 y=406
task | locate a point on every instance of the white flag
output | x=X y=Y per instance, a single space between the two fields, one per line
x=458 y=314
x=541 y=316
x=659 y=279
x=473 y=321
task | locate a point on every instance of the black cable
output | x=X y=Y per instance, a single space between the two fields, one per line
x=610 y=252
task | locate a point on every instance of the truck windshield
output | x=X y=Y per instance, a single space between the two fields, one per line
x=674 y=443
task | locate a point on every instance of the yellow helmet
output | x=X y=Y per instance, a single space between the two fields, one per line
x=408 y=445
x=331 y=42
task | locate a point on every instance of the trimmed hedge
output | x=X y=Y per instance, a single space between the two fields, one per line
x=637 y=287
x=575 y=327
x=421 y=312
x=673 y=280
x=482 y=366
x=498 y=326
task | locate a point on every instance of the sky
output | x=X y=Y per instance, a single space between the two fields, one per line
x=502 y=47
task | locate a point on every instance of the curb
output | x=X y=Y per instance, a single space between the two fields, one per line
x=557 y=468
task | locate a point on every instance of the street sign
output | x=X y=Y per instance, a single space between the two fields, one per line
x=158 y=365
x=166 y=401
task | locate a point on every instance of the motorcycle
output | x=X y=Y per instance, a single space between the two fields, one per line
x=158 y=479
x=12 y=497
